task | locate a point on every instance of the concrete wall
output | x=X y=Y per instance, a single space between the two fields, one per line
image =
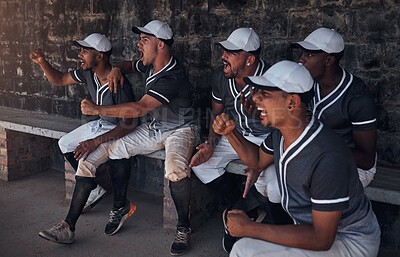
x=23 y=154
x=370 y=28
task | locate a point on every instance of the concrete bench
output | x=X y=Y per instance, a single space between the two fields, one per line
x=28 y=145
x=14 y=150
x=28 y=140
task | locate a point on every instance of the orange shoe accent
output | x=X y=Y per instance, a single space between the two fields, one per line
x=132 y=209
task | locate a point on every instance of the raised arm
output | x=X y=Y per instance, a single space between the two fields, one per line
x=53 y=75
x=251 y=154
x=116 y=74
x=206 y=149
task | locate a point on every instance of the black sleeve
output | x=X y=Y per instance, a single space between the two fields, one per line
x=361 y=107
x=124 y=93
x=165 y=89
x=138 y=66
x=267 y=145
x=329 y=186
x=216 y=86
x=78 y=75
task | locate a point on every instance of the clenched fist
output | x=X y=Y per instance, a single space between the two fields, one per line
x=37 y=56
x=223 y=124
x=88 y=107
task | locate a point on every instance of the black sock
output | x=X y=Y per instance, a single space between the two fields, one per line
x=120 y=174
x=82 y=189
x=180 y=192
x=71 y=159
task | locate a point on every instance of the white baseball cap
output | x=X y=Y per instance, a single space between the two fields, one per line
x=96 y=41
x=242 y=39
x=327 y=40
x=157 y=28
x=287 y=76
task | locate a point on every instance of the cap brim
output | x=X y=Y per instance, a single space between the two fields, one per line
x=83 y=43
x=306 y=45
x=139 y=30
x=260 y=82
x=229 y=46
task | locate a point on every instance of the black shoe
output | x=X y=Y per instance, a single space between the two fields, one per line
x=227 y=241
x=181 y=242
x=118 y=216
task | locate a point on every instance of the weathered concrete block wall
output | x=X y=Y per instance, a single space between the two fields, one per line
x=370 y=28
x=23 y=154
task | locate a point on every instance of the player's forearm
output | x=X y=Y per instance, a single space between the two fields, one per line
x=122 y=129
x=363 y=160
x=298 y=236
x=364 y=149
x=53 y=75
x=247 y=151
x=126 y=110
x=213 y=138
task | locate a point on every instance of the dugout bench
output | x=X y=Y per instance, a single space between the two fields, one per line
x=28 y=145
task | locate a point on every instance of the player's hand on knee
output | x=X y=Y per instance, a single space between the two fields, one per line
x=114 y=77
x=223 y=124
x=79 y=153
x=37 y=56
x=85 y=148
x=237 y=222
x=203 y=154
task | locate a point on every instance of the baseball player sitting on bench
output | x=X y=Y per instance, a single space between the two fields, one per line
x=316 y=173
x=82 y=142
x=241 y=58
x=168 y=101
x=342 y=101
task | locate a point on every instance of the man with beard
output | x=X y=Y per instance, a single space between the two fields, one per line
x=168 y=101
x=317 y=176
x=240 y=59
x=82 y=142
x=342 y=101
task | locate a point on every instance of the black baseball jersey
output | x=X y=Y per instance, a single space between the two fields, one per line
x=101 y=94
x=350 y=106
x=171 y=87
x=224 y=91
x=317 y=172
